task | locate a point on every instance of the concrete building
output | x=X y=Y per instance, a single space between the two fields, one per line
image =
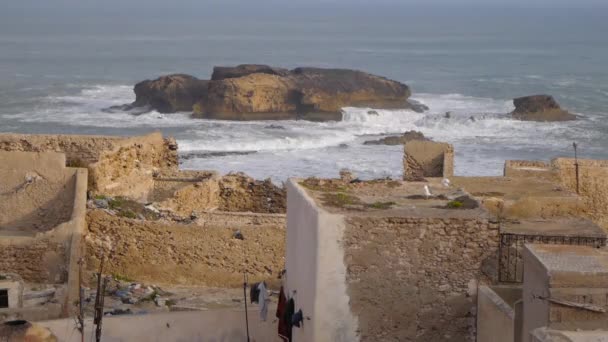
x=376 y=261
x=11 y=291
x=42 y=220
x=565 y=288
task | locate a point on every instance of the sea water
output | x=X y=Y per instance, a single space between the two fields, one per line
x=59 y=69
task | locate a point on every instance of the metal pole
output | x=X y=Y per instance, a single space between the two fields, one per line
x=238 y=235
x=576 y=166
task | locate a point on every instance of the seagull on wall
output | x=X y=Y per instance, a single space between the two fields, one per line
x=427 y=191
x=445 y=182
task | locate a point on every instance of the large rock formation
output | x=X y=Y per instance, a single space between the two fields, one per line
x=168 y=94
x=221 y=73
x=256 y=92
x=540 y=108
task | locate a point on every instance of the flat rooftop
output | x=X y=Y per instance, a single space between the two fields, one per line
x=566 y=227
x=389 y=198
x=511 y=188
x=572 y=259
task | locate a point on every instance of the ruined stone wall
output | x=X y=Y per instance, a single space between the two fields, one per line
x=187 y=254
x=35 y=260
x=415 y=279
x=79 y=149
x=427 y=159
x=593 y=184
x=129 y=169
x=118 y=166
x=230 y=193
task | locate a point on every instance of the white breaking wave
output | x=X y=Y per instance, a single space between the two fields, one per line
x=480 y=128
x=86 y=109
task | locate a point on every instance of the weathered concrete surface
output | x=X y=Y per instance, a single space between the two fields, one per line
x=427 y=159
x=36 y=192
x=49 y=255
x=212 y=325
x=316 y=273
x=495 y=317
x=189 y=254
x=558 y=274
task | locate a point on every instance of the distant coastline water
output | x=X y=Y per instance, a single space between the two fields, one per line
x=58 y=80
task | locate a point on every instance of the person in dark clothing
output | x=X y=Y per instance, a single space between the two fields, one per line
x=284 y=329
x=254 y=293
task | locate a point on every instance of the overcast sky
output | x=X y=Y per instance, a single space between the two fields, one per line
x=66 y=4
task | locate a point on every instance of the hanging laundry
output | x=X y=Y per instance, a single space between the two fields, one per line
x=298 y=319
x=263 y=300
x=284 y=325
x=254 y=293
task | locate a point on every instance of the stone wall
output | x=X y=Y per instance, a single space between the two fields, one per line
x=231 y=193
x=187 y=254
x=427 y=159
x=529 y=168
x=35 y=260
x=593 y=184
x=118 y=166
x=415 y=279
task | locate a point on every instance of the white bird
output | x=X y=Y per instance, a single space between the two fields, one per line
x=427 y=191
x=446 y=182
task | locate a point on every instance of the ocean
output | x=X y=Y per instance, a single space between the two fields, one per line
x=59 y=70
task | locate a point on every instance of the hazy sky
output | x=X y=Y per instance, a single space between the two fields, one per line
x=67 y=4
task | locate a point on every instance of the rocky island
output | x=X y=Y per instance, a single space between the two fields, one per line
x=540 y=108
x=261 y=92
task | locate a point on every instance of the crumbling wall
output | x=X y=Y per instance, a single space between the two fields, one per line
x=79 y=149
x=415 y=279
x=593 y=184
x=188 y=254
x=118 y=166
x=128 y=170
x=427 y=159
x=35 y=260
x=231 y=193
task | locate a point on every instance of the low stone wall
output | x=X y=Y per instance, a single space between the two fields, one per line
x=35 y=260
x=529 y=168
x=230 y=193
x=188 y=254
x=593 y=184
x=427 y=159
x=415 y=279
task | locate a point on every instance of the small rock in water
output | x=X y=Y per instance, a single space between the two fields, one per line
x=372 y=112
